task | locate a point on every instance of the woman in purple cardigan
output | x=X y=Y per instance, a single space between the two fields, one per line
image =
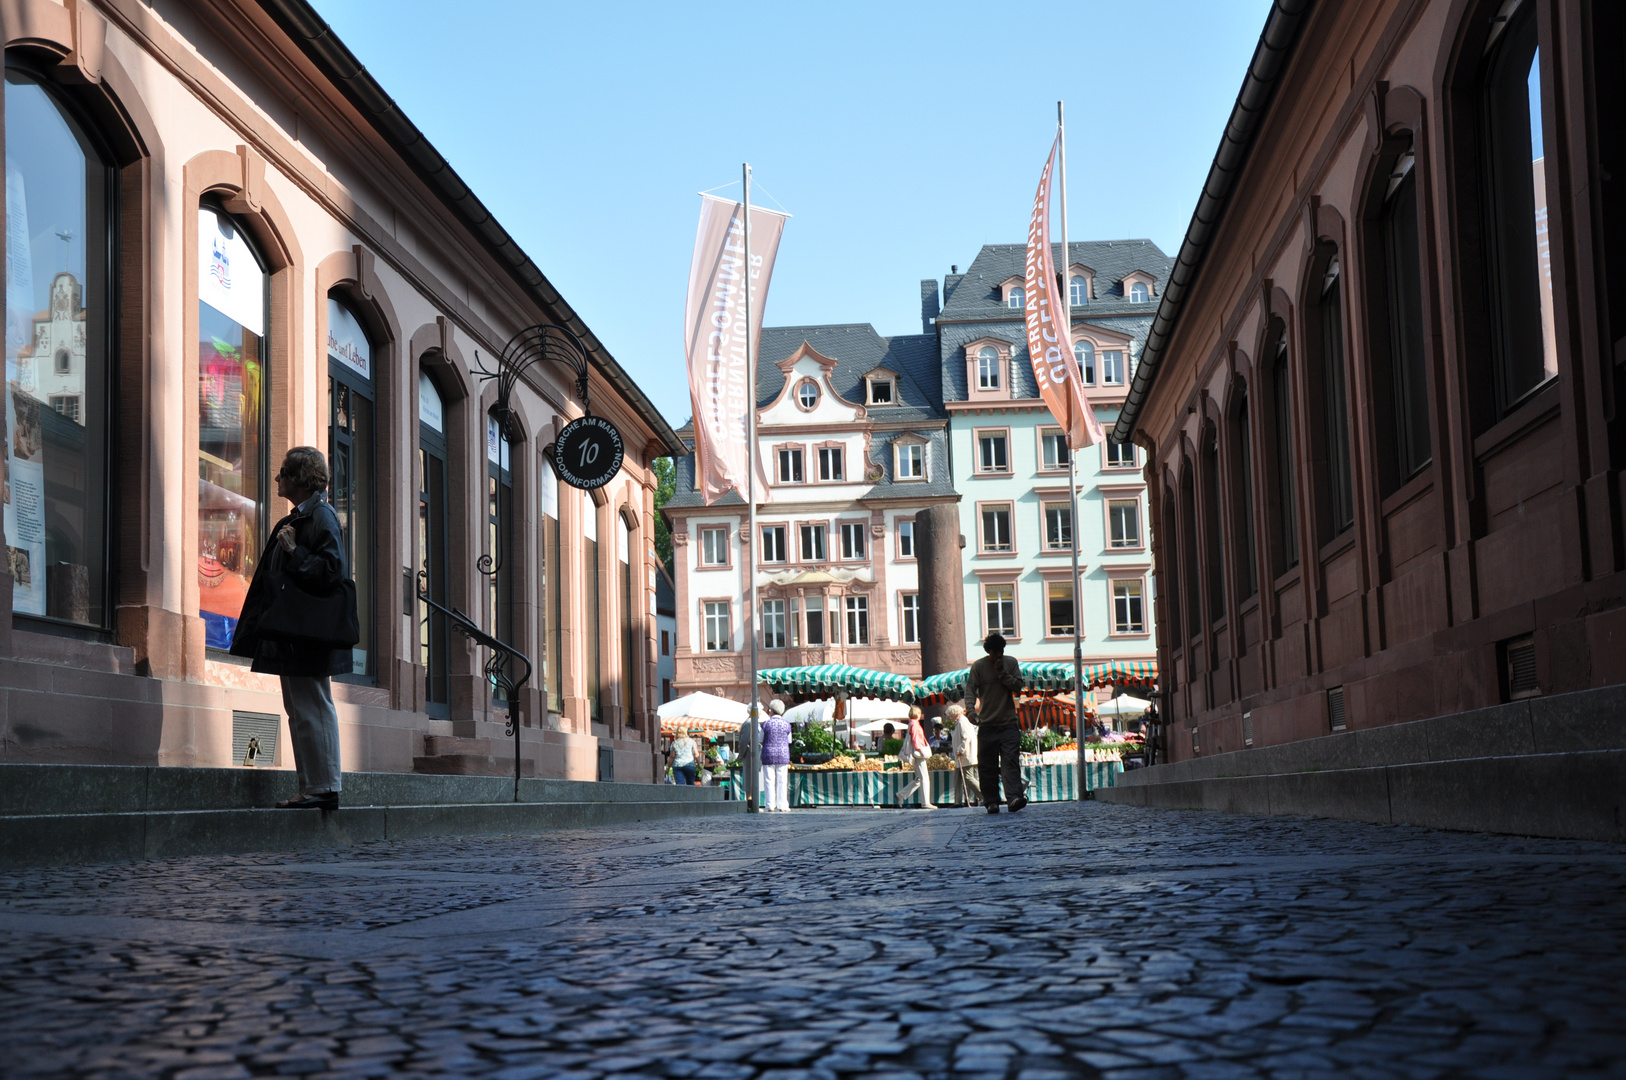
x=776 y=758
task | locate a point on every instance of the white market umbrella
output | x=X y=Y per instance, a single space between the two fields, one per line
x=1123 y=705
x=704 y=706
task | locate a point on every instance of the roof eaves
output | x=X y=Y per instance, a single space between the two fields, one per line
x=1269 y=61
x=330 y=55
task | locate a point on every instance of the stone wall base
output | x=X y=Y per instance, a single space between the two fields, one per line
x=1551 y=766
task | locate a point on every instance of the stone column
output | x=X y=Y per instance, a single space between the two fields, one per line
x=942 y=589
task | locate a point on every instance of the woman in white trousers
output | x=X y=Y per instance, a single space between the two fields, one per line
x=776 y=758
x=914 y=755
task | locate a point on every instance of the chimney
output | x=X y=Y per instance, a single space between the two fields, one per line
x=928 y=305
x=950 y=282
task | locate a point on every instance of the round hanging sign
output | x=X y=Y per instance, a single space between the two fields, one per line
x=588 y=452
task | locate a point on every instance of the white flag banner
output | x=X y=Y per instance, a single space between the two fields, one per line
x=1049 y=324
x=714 y=336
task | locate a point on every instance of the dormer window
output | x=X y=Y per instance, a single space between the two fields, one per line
x=880 y=391
x=807 y=394
x=1084 y=353
x=1078 y=291
x=911 y=461
x=1016 y=297
x=987 y=368
x=1138 y=293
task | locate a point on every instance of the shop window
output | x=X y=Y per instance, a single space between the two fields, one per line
x=59 y=308
x=232 y=421
x=351 y=449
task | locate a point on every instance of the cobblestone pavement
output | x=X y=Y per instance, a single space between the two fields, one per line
x=1070 y=940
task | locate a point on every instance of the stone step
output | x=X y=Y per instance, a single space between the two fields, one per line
x=435 y=745
x=471 y=764
x=56 y=839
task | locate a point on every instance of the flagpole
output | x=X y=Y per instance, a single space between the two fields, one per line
x=1072 y=470
x=749 y=541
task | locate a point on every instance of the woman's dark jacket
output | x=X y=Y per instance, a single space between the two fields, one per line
x=318 y=563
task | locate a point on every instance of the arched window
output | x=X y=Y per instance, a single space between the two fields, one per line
x=1188 y=550
x=987 y=368
x=1242 y=488
x=1138 y=292
x=1017 y=297
x=1169 y=563
x=1284 y=488
x=1524 y=353
x=1213 y=537
x=58 y=360
x=1336 y=497
x=1084 y=353
x=500 y=533
x=1399 y=376
x=629 y=635
x=593 y=607
x=233 y=443
x=553 y=589
x=1078 y=291
x=352 y=448
x=807 y=393
x=434 y=565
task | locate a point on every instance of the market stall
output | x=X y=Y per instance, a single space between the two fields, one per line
x=825 y=680
x=870 y=787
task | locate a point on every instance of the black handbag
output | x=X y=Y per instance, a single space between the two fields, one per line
x=299 y=616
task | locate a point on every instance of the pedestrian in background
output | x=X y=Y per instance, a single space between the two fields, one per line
x=683 y=752
x=776 y=758
x=993 y=683
x=914 y=755
x=291 y=617
x=964 y=739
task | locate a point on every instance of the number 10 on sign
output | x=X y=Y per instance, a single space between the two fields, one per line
x=588 y=452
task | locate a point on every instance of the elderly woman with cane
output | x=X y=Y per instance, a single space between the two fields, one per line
x=964 y=735
x=299 y=622
x=914 y=755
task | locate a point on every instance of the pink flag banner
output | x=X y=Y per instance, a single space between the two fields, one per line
x=714 y=331
x=1050 y=339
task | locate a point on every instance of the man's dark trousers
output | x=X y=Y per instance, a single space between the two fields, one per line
x=999 y=757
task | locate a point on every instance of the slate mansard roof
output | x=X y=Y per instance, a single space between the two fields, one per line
x=857 y=350
x=972 y=308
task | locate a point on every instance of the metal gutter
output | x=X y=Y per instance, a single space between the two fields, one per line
x=330 y=55
x=1270 y=59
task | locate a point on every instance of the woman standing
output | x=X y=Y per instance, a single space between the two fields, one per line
x=683 y=752
x=914 y=755
x=290 y=631
x=776 y=758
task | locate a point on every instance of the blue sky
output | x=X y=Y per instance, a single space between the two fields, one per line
x=902 y=136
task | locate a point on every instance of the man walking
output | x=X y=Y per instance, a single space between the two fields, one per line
x=993 y=682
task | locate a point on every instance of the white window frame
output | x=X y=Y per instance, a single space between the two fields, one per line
x=909 y=618
x=715 y=554
x=1045 y=509
x=1139 y=292
x=1053 y=437
x=990 y=435
x=717 y=615
x=1114 y=368
x=989 y=626
x=891 y=391
x=812 y=530
x=906 y=538
x=773 y=624
x=832 y=465
x=787 y=455
x=856 y=621
x=1134 y=592
x=998 y=510
x=805 y=389
x=1125 y=542
x=1107 y=454
x=910 y=461
x=779 y=543
x=1050 y=628
x=989 y=369
x=853 y=544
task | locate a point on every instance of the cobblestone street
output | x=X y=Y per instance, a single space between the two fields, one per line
x=835 y=944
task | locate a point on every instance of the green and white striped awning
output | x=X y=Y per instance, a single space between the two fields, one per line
x=823 y=680
x=1043 y=677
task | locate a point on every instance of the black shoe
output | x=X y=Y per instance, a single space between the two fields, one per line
x=328 y=801
x=993 y=809
x=1018 y=802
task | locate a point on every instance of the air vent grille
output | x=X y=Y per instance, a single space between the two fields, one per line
x=1521 y=668
x=1335 y=708
x=1247 y=729
x=261 y=728
x=1194 y=747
